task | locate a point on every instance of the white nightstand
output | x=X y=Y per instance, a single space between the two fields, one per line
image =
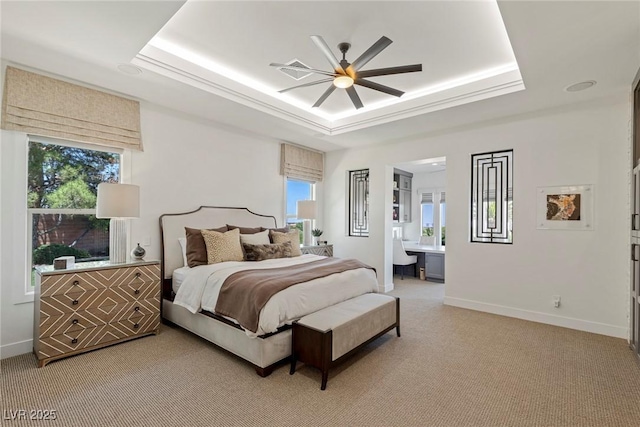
x=324 y=250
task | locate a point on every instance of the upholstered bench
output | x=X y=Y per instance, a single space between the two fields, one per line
x=328 y=336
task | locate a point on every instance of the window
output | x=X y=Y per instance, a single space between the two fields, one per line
x=427 y=216
x=433 y=211
x=492 y=197
x=359 y=203
x=61 y=200
x=443 y=216
x=297 y=190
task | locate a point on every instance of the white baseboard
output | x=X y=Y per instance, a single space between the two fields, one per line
x=16 y=349
x=388 y=287
x=535 y=316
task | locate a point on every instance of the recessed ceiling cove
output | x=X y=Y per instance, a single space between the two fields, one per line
x=226 y=48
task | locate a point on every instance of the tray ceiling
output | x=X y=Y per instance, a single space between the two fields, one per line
x=226 y=47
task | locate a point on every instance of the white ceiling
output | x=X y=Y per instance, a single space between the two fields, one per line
x=554 y=43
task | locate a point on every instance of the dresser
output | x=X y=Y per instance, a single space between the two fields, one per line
x=93 y=305
x=324 y=250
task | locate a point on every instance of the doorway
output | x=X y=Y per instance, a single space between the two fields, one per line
x=419 y=218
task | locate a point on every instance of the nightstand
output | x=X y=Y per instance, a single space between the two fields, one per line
x=94 y=305
x=324 y=250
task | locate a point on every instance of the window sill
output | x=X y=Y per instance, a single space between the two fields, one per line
x=24 y=299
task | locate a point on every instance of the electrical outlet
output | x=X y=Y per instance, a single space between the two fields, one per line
x=556 y=301
x=146 y=241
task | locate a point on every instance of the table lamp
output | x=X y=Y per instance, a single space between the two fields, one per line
x=307 y=210
x=118 y=202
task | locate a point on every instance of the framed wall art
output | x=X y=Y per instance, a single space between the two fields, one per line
x=568 y=207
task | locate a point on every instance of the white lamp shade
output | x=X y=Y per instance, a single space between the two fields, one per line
x=118 y=201
x=307 y=209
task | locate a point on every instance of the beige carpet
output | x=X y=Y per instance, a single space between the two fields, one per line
x=451 y=367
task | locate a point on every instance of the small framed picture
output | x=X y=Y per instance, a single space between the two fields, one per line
x=568 y=207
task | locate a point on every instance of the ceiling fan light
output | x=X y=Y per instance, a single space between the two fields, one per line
x=343 y=82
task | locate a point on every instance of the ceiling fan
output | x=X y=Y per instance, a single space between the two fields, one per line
x=346 y=74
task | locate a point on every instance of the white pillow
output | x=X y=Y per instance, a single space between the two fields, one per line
x=261 y=238
x=183 y=246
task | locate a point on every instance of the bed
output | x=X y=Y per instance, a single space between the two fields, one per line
x=189 y=294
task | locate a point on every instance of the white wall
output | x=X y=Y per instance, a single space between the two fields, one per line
x=16 y=312
x=583 y=144
x=186 y=163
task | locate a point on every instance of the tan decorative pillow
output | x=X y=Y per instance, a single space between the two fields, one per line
x=223 y=246
x=293 y=236
x=196 y=249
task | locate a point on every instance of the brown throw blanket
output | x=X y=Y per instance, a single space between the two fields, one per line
x=243 y=294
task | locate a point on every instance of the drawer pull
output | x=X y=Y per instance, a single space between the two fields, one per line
x=137 y=309
x=76 y=283
x=75 y=340
x=137 y=275
x=137 y=291
x=136 y=326
x=75 y=302
x=74 y=321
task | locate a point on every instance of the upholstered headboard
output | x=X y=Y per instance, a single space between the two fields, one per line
x=172 y=228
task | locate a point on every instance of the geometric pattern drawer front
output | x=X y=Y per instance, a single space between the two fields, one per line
x=57 y=284
x=60 y=284
x=132 y=277
x=139 y=325
x=136 y=310
x=96 y=316
x=67 y=342
x=57 y=305
x=138 y=290
x=102 y=299
x=76 y=340
x=69 y=322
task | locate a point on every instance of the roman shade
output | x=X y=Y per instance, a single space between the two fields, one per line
x=300 y=163
x=41 y=105
x=427 y=198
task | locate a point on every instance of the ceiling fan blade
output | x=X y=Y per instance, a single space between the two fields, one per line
x=354 y=97
x=391 y=70
x=379 y=87
x=369 y=54
x=324 y=48
x=324 y=96
x=308 y=70
x=306 y=84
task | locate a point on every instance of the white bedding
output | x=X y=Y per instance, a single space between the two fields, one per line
x=199 y=290
x=178 y=277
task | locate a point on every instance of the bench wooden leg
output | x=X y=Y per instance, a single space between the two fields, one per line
x=325 y=377
x=398 y=330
